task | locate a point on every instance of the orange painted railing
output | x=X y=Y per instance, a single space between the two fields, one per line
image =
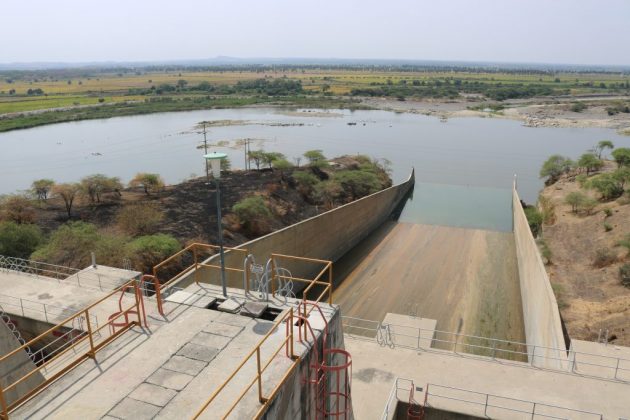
x=96 y=338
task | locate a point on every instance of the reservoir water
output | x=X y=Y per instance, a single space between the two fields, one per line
x=463 y=152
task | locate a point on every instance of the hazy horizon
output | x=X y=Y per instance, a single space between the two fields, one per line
x=528 y=32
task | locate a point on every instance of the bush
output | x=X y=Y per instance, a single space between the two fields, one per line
x=607 y=185
x=254 y=215
x=624 y=274
x=147 y=251
x=139 y=219
x=604 y=257
x=327 y=192
x=622 y=156
x=547 y=210
x=575 y=199
x=19 y=240
x=149 y=182
x=608 y=212
x=578 y=107
x=72 y=243
x=545 y=251
x=358 y=183
x=534 y=219
x=607 y=227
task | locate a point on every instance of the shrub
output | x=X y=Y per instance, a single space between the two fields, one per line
x=624 y=274
x=578 y=107
x=72 y=243
x=545 y=251
x=622 y=156
x=625 y=242
x=327 y=192
x=316 y=158
x=534 y=219
x=358 y=183
x=547 y=209
x=19 y=240
x=607 y=227
x=147 y=251
x=581 y=179
x=608 y=212
x=604 y=257
x=18 y=208
x=254 y=214
x=139 y=219
x=607 y=185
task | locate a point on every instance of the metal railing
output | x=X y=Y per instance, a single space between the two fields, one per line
x=326 y=268
x=582 y=363
x=82 y=341
x=190 y=260
x=287 y=343
x=62 y=274
x=36 y=310
x=393 y=398
x=502 y=404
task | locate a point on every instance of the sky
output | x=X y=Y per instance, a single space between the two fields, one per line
x=533 y=31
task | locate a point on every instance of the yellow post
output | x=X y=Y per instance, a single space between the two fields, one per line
x=196 y=264
x=136 y=290
x=4 y=410
x=330 y=282
x=291 y=332
x=259 y=377
x=91 y=353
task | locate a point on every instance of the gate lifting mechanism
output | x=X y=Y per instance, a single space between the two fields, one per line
x=330 y=382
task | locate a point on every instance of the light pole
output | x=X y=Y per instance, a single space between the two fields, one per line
x=215 y=164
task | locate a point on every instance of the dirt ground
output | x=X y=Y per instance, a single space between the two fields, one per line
x=534 y=112
x=448 y=274
x=590 y=298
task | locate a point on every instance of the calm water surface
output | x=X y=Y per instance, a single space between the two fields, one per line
x=468 y=152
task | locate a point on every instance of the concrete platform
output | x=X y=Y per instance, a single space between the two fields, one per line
x=49 y=300
x=170 y=369
x=598 y=359
x=453 y=275
x=375 y=367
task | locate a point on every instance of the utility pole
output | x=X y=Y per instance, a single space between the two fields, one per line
x=205 y=150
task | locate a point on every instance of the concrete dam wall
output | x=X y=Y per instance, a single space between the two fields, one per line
x=327 y=236
x=543 y=328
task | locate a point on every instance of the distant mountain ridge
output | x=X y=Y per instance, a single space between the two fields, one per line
x=297 y=61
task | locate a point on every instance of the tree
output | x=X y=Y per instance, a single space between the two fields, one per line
x=297 y=160
x=575 y=200
x=315 y=158
x=253 y=214
x=281 y=165
x=94 y=186
x=257 y=157
x=621 y=156
x=226 y=164
x=555 y=166
x=590 y=162
x=19 y=240
x=534 y=219
x=18 y=208
x=149 y=182
x=601 y=146
x=41 y=188
x=269 y=157
x=68 y=193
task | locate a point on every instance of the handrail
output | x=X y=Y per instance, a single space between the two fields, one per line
x=287 y=343
x=193 y=248
x=327 y=268
x=92 y=336
x=616 y=364
x=46 y=309
x=60 y=273
x=486 y=397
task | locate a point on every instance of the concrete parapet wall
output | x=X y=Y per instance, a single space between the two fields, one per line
x=543 y=328
x=327 y=236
